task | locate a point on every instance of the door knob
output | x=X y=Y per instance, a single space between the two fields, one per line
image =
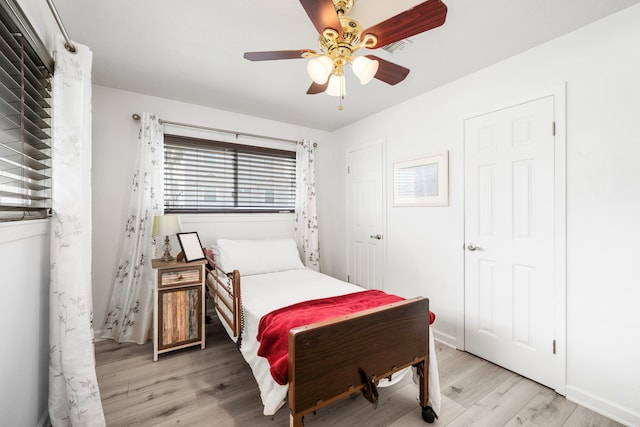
x=473 y=247
x=376 y=236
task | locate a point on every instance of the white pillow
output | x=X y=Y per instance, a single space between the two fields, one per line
x=257 y=256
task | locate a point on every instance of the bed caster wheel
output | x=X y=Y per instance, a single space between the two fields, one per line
x=428 y=415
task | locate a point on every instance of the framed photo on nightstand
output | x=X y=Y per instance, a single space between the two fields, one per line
x=191 y=246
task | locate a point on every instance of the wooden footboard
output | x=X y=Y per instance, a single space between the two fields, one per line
x=223 y=290
x=328 y=360
x=332 y=359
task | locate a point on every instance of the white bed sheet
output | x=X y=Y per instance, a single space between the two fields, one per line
x=263 y=293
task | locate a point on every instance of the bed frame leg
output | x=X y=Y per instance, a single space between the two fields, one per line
x=427 y=412
x=296 y=420
x=424 y=383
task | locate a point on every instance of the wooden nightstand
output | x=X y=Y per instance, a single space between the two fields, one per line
x=179 y=305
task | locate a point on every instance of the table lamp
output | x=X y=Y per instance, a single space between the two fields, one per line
x=166 y=225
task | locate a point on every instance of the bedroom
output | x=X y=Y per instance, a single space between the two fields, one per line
x=599 y=64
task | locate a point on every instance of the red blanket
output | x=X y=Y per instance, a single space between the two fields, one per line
x=273 y=330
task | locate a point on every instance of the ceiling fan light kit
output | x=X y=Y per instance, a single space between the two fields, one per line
x=336 y=86
x=364 y=68
x=341 y=36
x=319 y=69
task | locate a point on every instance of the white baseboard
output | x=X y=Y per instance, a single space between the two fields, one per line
x=623 y=415
x=96 y=335
x=444 y=338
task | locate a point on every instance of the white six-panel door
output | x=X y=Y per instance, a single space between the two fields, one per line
x=365 y=212
x=509 y=238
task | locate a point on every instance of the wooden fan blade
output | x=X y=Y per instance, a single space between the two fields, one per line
x=323 y=14
x=389 y=72
x=317 y=88
x=270 y=55
x=421 y=18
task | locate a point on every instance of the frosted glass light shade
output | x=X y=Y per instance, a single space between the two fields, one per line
x=319 y=69
x=364 y=68
x=336 y=86
x=166 y=225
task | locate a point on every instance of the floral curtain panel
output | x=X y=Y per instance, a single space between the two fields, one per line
x=130 y=312
x=306 y=217
x=74 y=398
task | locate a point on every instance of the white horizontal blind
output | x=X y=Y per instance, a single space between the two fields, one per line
x=211 y=176
x=25 y=152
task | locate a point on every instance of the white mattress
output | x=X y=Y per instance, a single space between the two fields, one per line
x=263 y=293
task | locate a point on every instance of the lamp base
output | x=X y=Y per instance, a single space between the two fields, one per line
x=166 y=257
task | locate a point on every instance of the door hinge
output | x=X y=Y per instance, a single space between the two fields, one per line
x=348 y=279
x=554 y=346
x=553 y=128
x=348 y=170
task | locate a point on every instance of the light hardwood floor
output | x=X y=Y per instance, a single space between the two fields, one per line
x=214 y=387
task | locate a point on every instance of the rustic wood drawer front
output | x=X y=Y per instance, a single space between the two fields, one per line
x=177 y=277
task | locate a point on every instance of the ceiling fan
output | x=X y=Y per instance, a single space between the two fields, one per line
x=341 y=36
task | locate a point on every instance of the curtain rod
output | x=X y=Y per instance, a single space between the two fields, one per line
x=68 y=44
x=136 y=117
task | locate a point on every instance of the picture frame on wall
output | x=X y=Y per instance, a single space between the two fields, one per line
x=191 y=246
x=422 y=181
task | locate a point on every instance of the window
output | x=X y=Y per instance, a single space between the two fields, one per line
x=204 y=176
x=25 y=153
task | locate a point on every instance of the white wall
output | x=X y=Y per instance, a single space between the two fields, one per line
x=24 y=359
x=114 y=150
x=601 y=67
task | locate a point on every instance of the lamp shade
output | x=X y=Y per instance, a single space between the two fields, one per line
x=319 y=69
x=364 y=68
x=336 y=86
x=165 y=225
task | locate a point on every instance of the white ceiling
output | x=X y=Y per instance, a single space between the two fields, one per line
x=191 y=51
